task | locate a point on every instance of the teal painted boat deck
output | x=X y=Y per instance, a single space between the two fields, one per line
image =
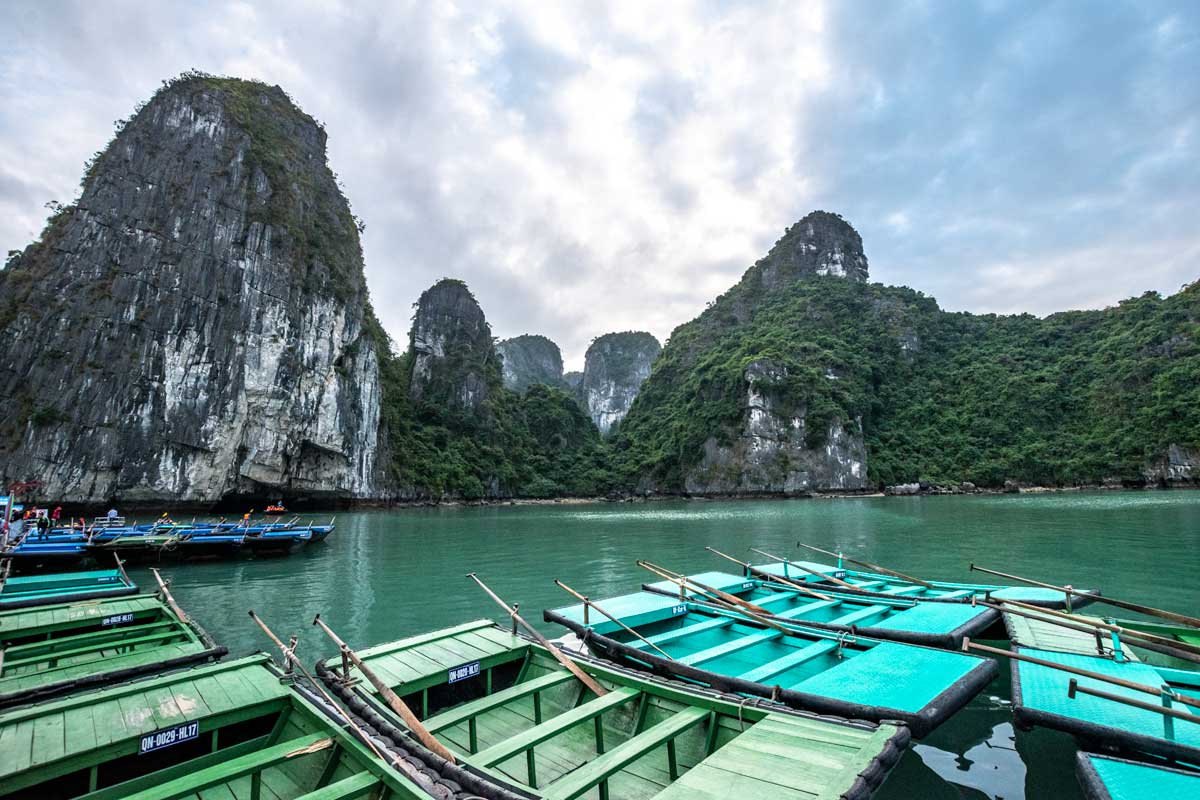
x=522 y=719
x=894 y=677
x=900 y=615
x=886 y=584
x=1118 y=779
x=62 y=587
x=1043 y=690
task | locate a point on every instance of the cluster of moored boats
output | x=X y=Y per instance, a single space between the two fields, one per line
x=161 y=540
x=780 y=679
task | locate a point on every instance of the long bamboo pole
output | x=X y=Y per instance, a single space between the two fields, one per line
x=809 y=570
x=1086 y=673
x=791 y=584
x=717 y=601
x=289 y=655
x=393 y=700
x=1132 y=638
x=1053 y=615
x=868 y=565
x=168 y=598
x=589 y=603
x=1074 y=688
x=559 y=655
x=1182 y=619
x=711 y=591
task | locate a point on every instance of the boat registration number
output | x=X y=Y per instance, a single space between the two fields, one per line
x=465 y=671
x=748 y=585
x=677 y=610
x=841 y=573
x=117 y=619
x=184 y=732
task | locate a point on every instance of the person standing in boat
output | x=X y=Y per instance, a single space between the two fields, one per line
x=43 y=526
x=113 y=516
x=56 y=517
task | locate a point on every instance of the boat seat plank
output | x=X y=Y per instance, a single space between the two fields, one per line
x=473 y=708
x=554 y=726
x=415 y=641
x=346 y=788
x=855 y=617
x=112 y=635
x=808 y=608
x=772 y=668
x=686 y=630
x=900 y=590
x=95 y=647
x=602 y=767
x=954 y=595
x=741 y=643
x=235 y=768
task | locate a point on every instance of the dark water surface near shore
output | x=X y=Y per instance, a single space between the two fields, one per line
x=388 y=574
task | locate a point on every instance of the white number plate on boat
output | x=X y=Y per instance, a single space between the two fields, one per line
x=117 y=619
x=841 y=573
x=677 y=610
x=169 y=736
x=465 y=671
x=748 y=585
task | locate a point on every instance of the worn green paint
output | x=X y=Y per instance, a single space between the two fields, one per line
x=62 y=586
x=304 y=752
x=638 y=740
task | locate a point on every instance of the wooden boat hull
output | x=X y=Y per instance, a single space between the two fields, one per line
x=51 y=650
x=1040 y=698
x=53 y=588
x=477 y=676
x=874 y=584
x=921 y=717
x=943 y=625
x=1108 y=778
x=209 y=731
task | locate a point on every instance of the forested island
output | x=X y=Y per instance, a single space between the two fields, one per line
x=196 y=327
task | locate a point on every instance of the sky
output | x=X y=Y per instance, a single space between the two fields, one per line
x=589 y=167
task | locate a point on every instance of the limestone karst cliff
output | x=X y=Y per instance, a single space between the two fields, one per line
x=193 y=327
x=615 y=366
x=530 y=359
x=454 y=363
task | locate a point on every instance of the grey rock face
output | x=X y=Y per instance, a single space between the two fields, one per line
x=194 y=326
x=772 y=453
x=572 y=379
x=820 y=244
x=530 y=359
x=454 y=361
x=1179 y=465
x=615 y=367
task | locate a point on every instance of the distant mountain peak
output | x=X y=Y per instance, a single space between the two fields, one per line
x=822 y=243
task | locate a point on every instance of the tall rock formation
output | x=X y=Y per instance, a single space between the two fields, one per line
x=615 y=366
x=194 y=326
x=454 y=362
x=530 y=359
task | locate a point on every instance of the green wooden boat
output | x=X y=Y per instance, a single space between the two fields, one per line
x=50 y=650
x=1042 y=696
x=522 y=726
x=875 y=583
x=230 y=730
x=816 y=670
x=1180 y=633
x=1107 y=778
x=62 y=587
x=891 y=618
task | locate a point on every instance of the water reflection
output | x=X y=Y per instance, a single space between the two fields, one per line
x=993 y=766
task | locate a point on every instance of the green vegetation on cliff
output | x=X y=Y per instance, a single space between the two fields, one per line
x=1080 y=396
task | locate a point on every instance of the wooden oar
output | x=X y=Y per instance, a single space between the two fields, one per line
x=1129 y=633
x=589 y=604
x=822 y=575
x=121 y=568
x=705 y=589
x=1086 y=673
x=791 y=584
x=393 y=700
x=1091 y=629
x=559 y=655
x=1182 y=619
x=289 y=656
x=167 y=598
x=869 y=565
x=1074 y=688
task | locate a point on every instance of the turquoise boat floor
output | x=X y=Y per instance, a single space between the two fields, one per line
x=1117 y=779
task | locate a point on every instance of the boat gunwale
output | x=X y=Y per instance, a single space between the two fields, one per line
x=367 y=707
x=932 y=714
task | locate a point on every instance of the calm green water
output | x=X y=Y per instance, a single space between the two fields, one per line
x=384 y=575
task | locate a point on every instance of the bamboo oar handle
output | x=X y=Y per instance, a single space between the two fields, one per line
x=625 y=627
x=1074 y=688
x=1183 y=619
x=821 y=575
x=1086 y=673
x=868 y=565
x=763 y=575
x=393 y=700
x=559 y=656
x=1053 y=615
x=170 y=600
